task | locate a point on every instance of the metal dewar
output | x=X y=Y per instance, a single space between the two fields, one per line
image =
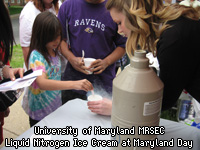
x=137 y=99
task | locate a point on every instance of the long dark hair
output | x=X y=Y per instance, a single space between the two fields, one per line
x=46 y=28
x=6 y=33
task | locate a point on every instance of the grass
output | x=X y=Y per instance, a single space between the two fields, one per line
x=170 y=114
x=17 y=59
x=15 y=9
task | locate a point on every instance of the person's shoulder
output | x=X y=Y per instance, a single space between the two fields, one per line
x=183 y=27
x=65 y=4
x=175 y=28
x=35 y=53
x=70 y=5
x=181 y=21
x=29 y=10
x=37 y=56
x=29 y=5
x=69 y=2
x=186 y=20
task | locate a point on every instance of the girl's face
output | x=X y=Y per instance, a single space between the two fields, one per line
x=119 y=18
x=53 y=44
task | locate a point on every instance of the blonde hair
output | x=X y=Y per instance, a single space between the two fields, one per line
x=147 y=19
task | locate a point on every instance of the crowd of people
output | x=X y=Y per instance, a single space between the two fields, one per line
x=106 y=30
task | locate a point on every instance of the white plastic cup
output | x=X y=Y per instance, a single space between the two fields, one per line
x=95 y=97
x=88 y=62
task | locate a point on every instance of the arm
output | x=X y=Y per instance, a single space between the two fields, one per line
x=25 y=54
x=37 y=61
x=25 y=32
x=76 y=62
x=47 y=84
x=100 y=65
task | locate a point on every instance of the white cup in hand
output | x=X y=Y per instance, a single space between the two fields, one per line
x=88 y=62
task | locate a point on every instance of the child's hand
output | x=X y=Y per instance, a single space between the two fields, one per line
x=83 y=85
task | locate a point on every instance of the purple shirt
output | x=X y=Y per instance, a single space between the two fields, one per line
x=91 y=29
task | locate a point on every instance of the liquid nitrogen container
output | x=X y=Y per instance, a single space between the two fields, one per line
x=137 y=99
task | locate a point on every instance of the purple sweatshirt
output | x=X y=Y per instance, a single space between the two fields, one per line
x=91 y=29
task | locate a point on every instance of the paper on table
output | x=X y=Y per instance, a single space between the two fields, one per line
x=20 y=82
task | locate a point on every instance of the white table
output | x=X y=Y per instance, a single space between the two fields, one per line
x=75 y=114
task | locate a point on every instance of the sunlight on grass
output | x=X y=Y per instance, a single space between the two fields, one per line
x=17 y=59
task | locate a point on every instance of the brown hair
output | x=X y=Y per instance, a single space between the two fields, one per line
x=46 y=28
x=145 y=17
x=40 y=5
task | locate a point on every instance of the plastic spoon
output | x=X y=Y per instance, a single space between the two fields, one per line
x=92 y=92
x=83 y=54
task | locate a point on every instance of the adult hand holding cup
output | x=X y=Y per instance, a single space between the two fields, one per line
x=88 y=62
